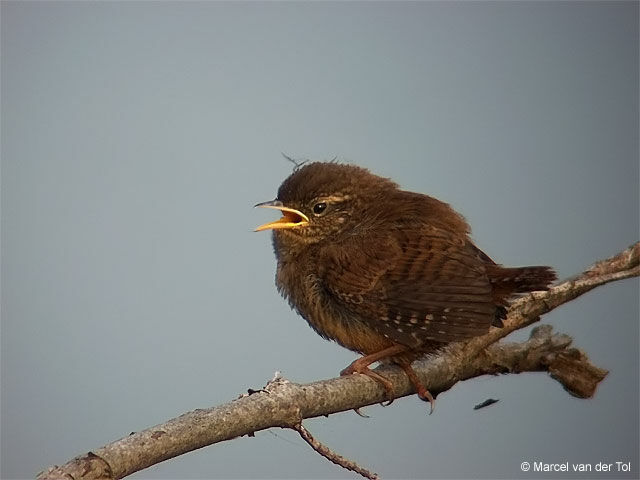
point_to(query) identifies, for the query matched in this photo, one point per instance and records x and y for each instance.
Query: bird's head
(326, 199)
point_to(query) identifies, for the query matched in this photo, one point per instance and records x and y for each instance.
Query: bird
(390, 274)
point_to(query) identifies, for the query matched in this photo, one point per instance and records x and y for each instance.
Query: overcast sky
(137, 136)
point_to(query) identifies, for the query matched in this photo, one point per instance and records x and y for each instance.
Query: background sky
(136, 137)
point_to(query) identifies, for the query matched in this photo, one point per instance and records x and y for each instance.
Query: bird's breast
(305, 292)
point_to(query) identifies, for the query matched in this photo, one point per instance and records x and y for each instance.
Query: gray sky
(137, 136)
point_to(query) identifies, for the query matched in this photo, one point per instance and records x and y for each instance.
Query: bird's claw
(421, 390)
(365, 370)
(363, 415)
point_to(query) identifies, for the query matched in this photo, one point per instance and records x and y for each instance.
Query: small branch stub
(574, 371)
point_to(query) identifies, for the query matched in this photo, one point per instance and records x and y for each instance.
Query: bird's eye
(319, 208)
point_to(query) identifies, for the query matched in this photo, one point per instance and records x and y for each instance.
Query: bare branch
(284, 404)
(330, 455)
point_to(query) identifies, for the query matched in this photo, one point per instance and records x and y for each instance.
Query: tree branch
(331, 455)
(285, 404)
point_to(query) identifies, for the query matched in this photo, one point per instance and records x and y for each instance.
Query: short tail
(507, 281)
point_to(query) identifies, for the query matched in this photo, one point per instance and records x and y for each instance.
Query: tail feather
(507, 281)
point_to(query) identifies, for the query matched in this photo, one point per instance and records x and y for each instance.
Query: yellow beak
(290, 217)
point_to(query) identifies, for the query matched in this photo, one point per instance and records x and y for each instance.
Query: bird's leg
(361, 365)
(421, 390)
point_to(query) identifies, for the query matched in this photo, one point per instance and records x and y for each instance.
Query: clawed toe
(365, 370)
(425, 395)
(421, 390)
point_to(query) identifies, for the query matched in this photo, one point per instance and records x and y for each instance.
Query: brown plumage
(384, 272)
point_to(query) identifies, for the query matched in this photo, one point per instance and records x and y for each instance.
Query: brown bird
(387, 273)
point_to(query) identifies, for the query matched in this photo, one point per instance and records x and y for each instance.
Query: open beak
(290, 217)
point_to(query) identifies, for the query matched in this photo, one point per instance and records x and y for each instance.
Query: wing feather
(424, 285)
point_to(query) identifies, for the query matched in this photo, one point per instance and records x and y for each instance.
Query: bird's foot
(360, 366)
(421, 390)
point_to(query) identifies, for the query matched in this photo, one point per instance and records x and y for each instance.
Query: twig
(330, 455)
